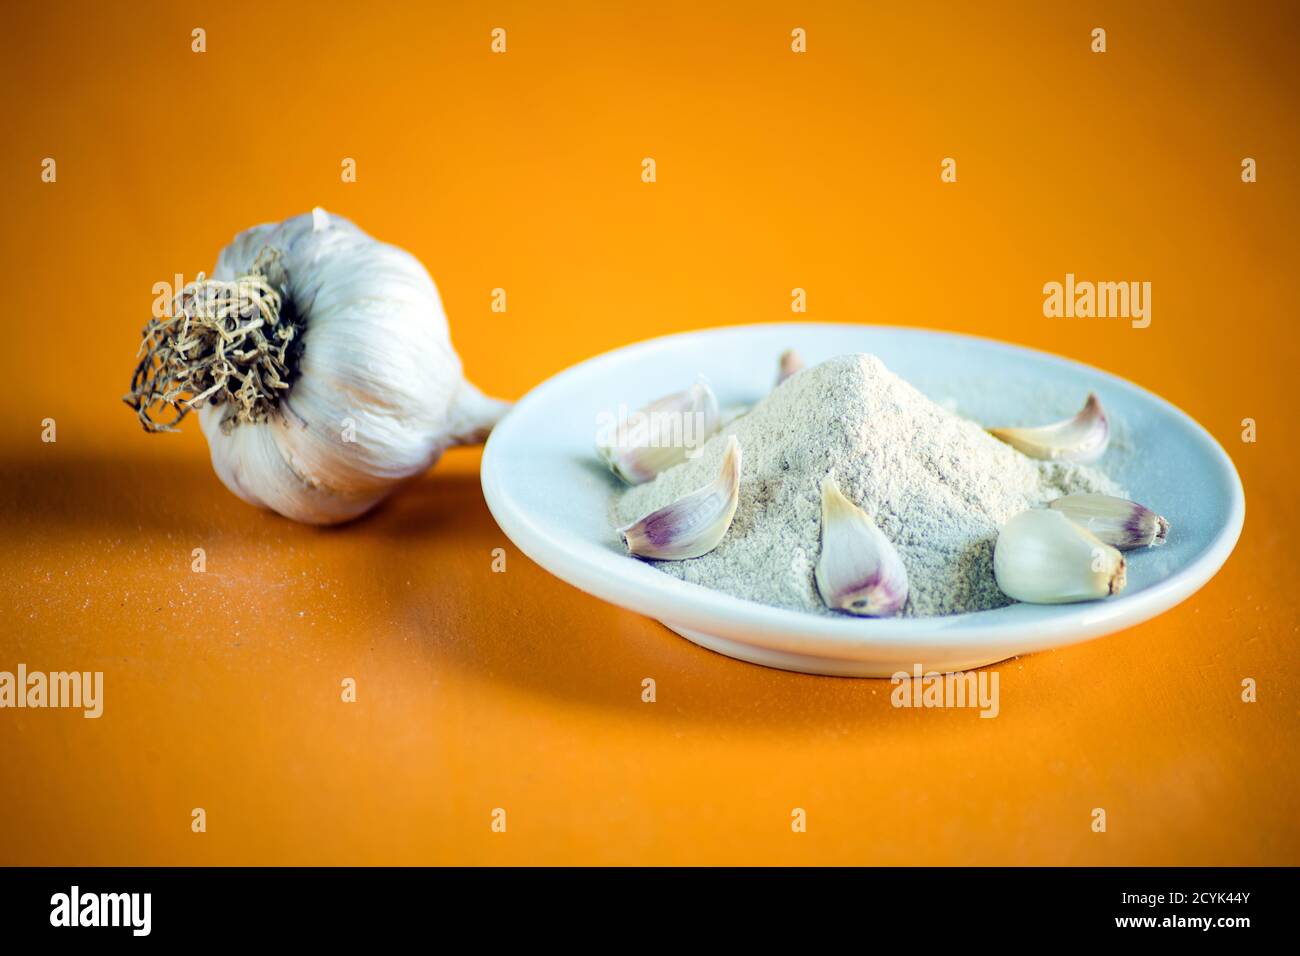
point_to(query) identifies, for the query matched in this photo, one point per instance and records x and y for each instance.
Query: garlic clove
(694, 524)
(859, 570)
(1082, 438)
(1042, 557)
(663, 434)
(1118, 522)
(789, 363)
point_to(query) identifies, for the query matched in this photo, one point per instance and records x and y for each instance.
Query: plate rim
(683, 603)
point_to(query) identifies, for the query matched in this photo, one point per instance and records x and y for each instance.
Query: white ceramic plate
(552, 498)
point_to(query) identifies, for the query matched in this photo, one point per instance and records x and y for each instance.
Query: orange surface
(479, 690)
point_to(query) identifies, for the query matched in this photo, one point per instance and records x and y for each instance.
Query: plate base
(826, 666)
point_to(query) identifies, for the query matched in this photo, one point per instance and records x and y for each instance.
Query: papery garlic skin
(1042, 557)
(663, 434)
(692, 525)
(1120, 523)
(379, 393)
(1081, 439)
(859, 570)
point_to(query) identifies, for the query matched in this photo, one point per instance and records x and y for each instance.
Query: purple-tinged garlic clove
(1120, 523)
(663, 434)
(859, 570)
(694, 524)
(1082, 438)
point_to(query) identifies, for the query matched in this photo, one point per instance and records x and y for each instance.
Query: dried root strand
(232, 343)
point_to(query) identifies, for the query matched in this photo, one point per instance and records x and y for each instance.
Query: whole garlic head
(378, 393)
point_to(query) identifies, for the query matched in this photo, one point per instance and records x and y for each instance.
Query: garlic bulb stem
(473, 415)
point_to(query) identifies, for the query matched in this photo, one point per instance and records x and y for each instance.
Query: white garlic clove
(1082, 438)
(859, 570)
(1042, 557)
(663, 434)
(694, 524)
(1118, 522)
(789, 363)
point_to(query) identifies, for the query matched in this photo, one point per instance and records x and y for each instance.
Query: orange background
(522, 171)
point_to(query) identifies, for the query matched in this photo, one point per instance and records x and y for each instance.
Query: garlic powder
(937, 485)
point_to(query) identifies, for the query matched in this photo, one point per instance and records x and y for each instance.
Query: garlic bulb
(321, 365)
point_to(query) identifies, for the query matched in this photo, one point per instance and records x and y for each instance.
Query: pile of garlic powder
(937, 485)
